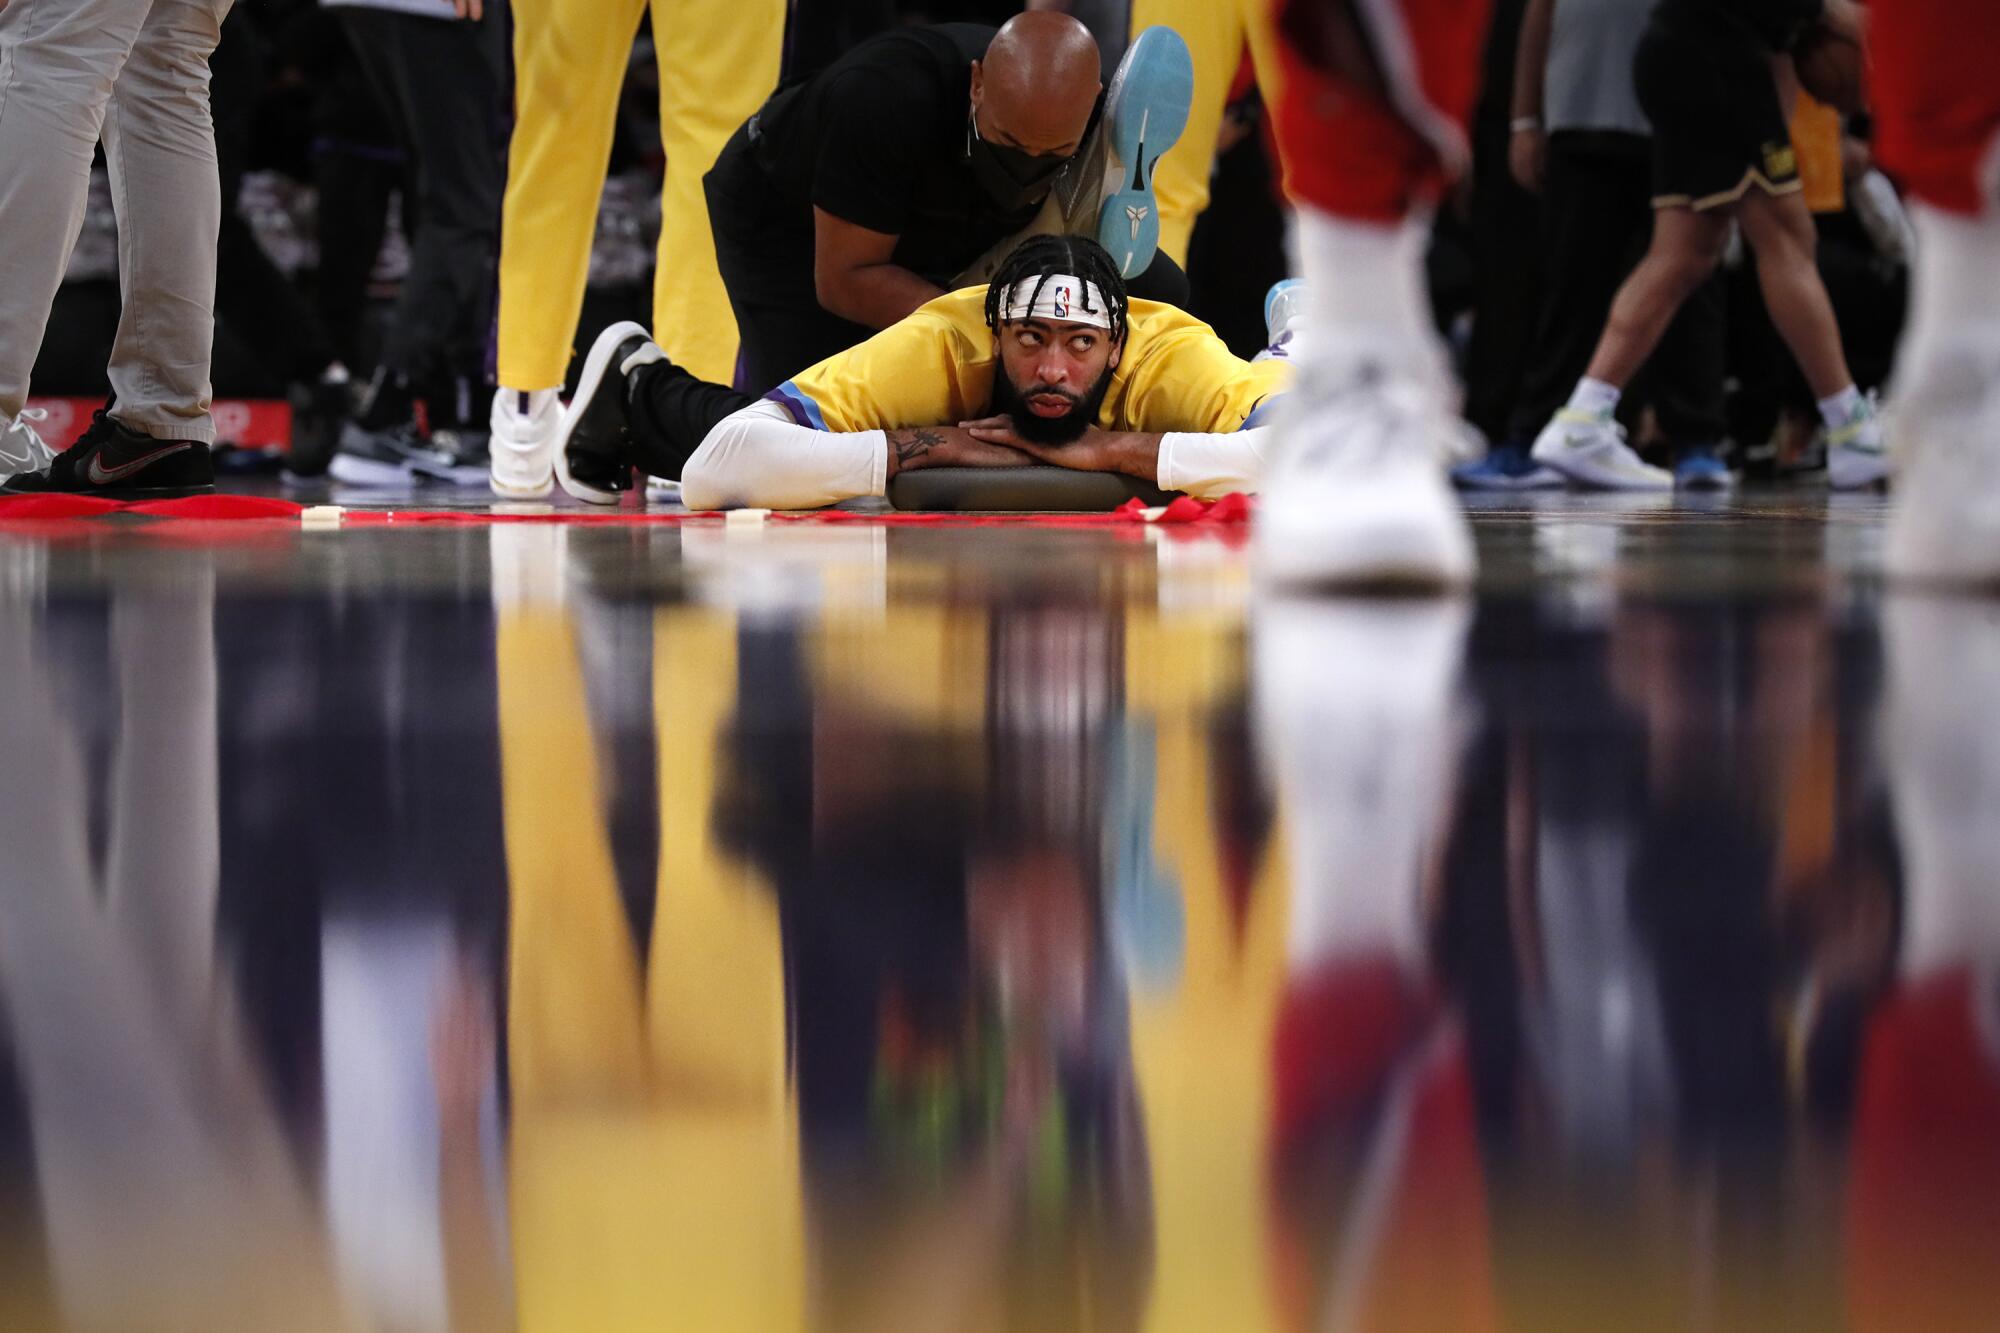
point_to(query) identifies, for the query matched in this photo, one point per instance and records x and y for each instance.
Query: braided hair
(1040, 258)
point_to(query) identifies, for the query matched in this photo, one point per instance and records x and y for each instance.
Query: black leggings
(673, 412)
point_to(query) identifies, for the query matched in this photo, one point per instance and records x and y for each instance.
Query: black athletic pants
(673, 412)
(441, 83)
(1597, 221)
(1507, 284)
(253, 299)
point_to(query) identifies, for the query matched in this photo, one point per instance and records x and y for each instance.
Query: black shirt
(878, 138)
(1775, 25)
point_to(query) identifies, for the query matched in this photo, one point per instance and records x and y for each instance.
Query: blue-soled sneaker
(1699, 467)
(1144, 114)
(1506, 467)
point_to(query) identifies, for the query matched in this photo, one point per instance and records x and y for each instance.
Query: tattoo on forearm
(912, 444)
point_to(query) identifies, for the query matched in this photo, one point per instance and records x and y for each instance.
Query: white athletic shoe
(1284, 320)
(1944, 525)
(22, 449)
(522, 448)
(1355, 490)
(1591, 451)
(1855, 456)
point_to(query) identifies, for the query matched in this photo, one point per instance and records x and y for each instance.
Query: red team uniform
(1937, 102)
(1376, 97)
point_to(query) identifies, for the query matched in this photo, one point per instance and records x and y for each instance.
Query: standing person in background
(136, 73)
(1581, 142)
(718, 60)
(1722, 156)
(1372, 124)
(1503, 224)
(253, 298)
(440, 81)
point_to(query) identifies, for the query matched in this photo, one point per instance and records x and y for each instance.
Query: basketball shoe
(522, 445)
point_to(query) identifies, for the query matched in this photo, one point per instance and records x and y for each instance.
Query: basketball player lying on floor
(1086, 379)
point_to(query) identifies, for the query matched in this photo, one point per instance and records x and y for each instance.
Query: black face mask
(1013, 178)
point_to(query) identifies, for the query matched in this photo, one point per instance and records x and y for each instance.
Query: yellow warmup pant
(718, 62)
(654, 1146)
(1215, 31)
(1201, 1051)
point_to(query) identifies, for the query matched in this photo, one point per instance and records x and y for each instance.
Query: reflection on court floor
(562, 929)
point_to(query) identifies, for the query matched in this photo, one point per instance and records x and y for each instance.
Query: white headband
(1059, 300)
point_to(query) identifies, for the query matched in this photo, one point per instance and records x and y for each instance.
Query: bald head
(1038, 82)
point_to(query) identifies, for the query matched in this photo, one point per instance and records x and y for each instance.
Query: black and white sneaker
(455, 456)
(112, 460)
(383, 457)
(594, 442)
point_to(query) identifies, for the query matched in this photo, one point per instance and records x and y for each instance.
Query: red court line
(1230, 510)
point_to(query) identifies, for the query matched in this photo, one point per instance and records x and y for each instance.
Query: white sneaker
(1591, 451)
(1855, 456)
(1355, 491)
(22, 449)
(1284, 320)
(1944, 526)
(523, 444)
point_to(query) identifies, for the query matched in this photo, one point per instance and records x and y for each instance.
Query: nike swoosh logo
(101, 475)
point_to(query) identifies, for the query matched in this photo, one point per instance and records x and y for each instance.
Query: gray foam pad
(1037, 488)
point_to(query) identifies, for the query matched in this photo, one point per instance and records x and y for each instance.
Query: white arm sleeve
(1210, 466)
(759, 458)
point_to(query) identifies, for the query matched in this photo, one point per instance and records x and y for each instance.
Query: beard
(1065, 429)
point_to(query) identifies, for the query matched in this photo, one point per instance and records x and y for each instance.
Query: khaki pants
(136, 73)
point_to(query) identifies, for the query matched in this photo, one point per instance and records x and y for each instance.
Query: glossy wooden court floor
(707, 926)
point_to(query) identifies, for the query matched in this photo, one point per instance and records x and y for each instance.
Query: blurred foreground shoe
(1944, 524)
(1355, 490)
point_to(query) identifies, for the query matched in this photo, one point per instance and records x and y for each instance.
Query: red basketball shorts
(1377, 93)
(1936, 79)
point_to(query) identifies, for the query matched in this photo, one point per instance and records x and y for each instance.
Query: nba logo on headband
(1062, 296)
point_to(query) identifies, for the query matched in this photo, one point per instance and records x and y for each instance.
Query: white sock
(1597, 397)
(1839, 409)
(1367, 283)
(1956, 277)
(1954, 297)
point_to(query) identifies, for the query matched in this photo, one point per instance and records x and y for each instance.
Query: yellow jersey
(935, 368)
